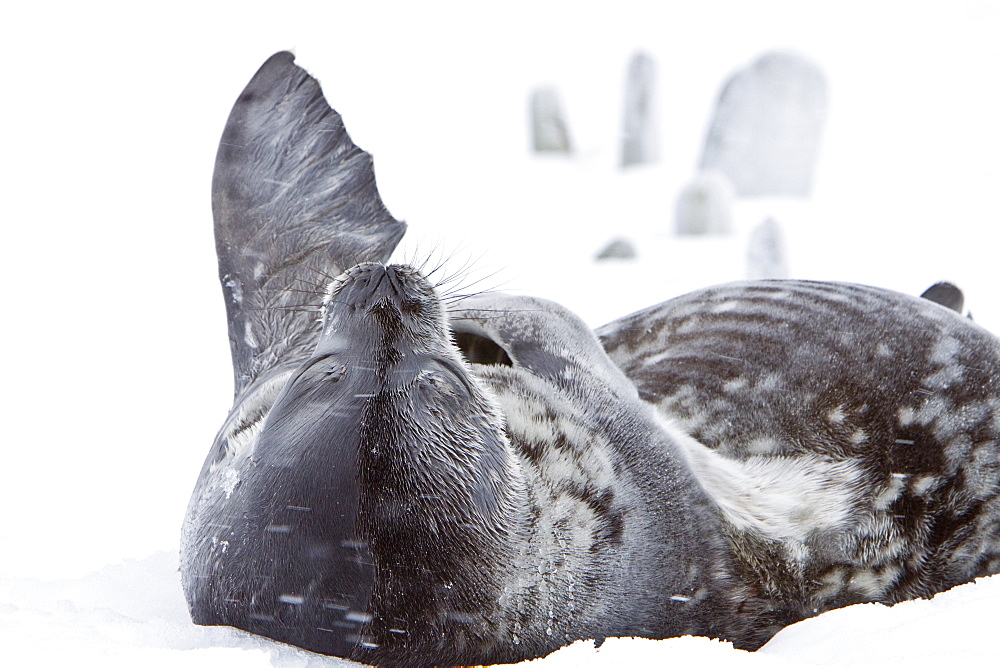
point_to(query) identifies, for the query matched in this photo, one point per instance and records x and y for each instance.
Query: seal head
(379, 491)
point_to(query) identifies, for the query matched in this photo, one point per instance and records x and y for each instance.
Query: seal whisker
(319, 286)
(455, 297)
(411, 254)
(442, 261)
(458, 276)
(419, 260)
(280, 291)
(320, 272)
(476, 282)
(288, 307)
(467, 265)
(293, 309)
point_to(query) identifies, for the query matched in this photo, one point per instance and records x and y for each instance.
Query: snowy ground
(115, 340)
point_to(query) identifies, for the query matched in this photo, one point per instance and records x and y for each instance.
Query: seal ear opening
(478, 349)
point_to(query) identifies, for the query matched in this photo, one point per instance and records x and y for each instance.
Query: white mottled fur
(525, 418)
(782, 498)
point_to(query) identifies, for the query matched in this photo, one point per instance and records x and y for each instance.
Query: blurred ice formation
(640, 142)
(705, 206)
(617, 249)
(766, 131)
(766, 252)
(548, 123)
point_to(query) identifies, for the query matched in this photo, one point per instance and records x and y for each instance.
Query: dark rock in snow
(766, 132)
(619, 249)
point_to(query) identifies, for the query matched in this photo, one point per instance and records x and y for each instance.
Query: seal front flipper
(280, 556)
(295, 203)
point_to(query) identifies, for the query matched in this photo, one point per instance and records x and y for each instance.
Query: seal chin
(425, 420)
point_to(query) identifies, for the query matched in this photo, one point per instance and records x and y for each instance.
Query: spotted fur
(893, 399)
(405, 484)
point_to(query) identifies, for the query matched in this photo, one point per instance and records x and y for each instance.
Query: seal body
(410, 480)
(892, 400)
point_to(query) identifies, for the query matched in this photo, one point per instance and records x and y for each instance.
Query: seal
(416, 480)
(880, 407)
(946, 294)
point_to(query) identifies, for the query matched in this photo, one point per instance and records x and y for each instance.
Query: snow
(117, 363)
(133, 613)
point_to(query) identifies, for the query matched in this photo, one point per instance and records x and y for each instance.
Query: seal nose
(386, 289)
(371, 286)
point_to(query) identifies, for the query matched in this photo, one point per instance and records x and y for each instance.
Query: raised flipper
(295, 203)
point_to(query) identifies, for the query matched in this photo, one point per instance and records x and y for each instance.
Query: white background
(115, 354)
